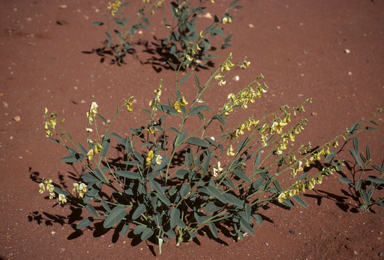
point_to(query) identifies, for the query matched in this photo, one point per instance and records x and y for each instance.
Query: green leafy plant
(183, 30)
(170, 183)
(125, 26)
(364, 188)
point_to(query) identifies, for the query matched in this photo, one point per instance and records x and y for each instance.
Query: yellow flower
(89, 130)
(307, 163)
(310, 185)
(158, 159)
(177, 106)
(42, 188)
(98, 148)
(336, 144)
(291, 137)
(230, 151)
(90, 119)
(274, 127)
(62, 199)
(245, 64)
(80, 188)
(217, 170)
(129, 105)
(319, 180)
(52, 122)
(90, 154)
(188, 57)
(151, 130)
(183, 102)
(222, 82)
(93, 109)
(225, 20)
(149, 158)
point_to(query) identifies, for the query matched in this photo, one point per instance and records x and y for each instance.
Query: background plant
(363, 187)
(182, 29)
(126, 25)
(169, 183)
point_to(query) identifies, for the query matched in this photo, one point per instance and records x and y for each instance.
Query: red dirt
(299, 46)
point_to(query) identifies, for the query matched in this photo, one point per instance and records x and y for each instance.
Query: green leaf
(60, 191)
(259, 220)
(246, 227)
(184, 78)
(258, 157)
(356, 145)
(365, 197)
(139, 229)
(175, 216)
(345, 180)
(82, 149)
(173, 67)
(114, 217)
(102, 118)
(145, 19)
(105, 144)
(92, 210)
(239, 7)
(105, 205)
(242, 175)
(353, 128)
(242, 144)
(218, 31)
(211, 141)
(73, 158)
(221, 119)
(163, 198)
(97, 23)
(373, 122)
(213, 229)
(147, 233)
(381, 203)
(231, 199)
(358, 184)
(257, 183)
(357, 158)
(302, 177)
(212, 207)
(129, 175)
(378, 168)
(330, 156)
(197, 80)
(368, 153)
(232, 4)
(56, 141)
(277, 185)
(199, 142)
(300, 201)
(175, 130)
(181, 173)
(184, 190)
(124, 230)
(140, 210)
(216, 193)
(84, 223)
(375, 180)
(196, 110)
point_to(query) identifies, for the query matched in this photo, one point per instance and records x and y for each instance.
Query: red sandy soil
(48, 60)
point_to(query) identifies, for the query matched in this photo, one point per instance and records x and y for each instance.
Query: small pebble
(314, 113)
(16, 118)
(237, 78)
(380, 254)
(278, 27)
(349, 73)
(347, 51)
(292, 231)
(63, 6)
(251, 25)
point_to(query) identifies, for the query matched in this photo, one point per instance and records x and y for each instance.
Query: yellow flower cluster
(80, 188)
(247, 125)
(153, 103)
(230, 151)
(114, 7)
(217, 170)
(47, 185)
(227, 66)
(243, 98)
(299, 187)
(95, 150)
(150, 157)
(180, 104)
(226, 19)
(128, 104)
(50, 123)
(151, 130)
(245, 64)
